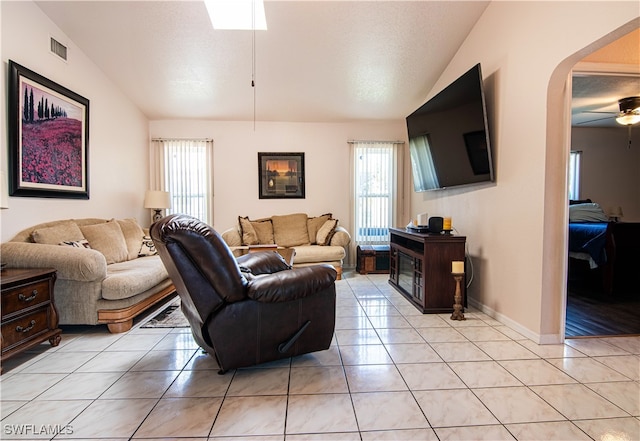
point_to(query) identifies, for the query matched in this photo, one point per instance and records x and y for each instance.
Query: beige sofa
(315, 239)
(107, 272)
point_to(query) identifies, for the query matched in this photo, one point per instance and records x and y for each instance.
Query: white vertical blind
(574, 174)
(374, 183)
(184, 168)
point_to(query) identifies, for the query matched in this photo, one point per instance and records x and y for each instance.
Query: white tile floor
(390, 374)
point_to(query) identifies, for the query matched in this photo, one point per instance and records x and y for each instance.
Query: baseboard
(542, 339)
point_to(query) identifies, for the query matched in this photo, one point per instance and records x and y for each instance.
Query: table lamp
(615, 213)
(157, 200)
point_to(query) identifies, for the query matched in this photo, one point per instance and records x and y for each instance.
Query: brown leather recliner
(247, 311)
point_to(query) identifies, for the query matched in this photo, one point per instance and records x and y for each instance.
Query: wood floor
(591, 313)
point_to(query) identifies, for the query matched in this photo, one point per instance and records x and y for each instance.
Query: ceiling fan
(629, 111)
(628, 115)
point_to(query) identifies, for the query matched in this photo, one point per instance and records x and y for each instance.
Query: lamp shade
(156, 199)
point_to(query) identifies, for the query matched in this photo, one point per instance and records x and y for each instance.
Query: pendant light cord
(253, 60)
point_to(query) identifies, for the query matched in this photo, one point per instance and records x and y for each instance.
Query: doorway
(595, 306)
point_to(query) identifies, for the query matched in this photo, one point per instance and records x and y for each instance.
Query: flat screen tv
(449, 137)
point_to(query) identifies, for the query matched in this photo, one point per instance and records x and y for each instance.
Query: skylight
(237, 14)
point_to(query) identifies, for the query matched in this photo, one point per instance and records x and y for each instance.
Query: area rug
(169, 317)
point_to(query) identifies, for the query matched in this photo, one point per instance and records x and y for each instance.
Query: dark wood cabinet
(29, 315)
(420, 268)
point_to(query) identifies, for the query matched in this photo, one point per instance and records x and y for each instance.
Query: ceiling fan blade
(595, 120)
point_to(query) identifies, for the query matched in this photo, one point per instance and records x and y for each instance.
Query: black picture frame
(281, 175)
(48, 137)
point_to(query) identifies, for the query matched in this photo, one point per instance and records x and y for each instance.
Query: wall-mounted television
(449, 137)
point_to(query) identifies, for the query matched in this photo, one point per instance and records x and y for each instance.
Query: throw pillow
(314, 224)
(326, 232)
(132, 233)
(108, 239)
(148, 248)
(290, 230)
(76, 243)
(264, 231)
(64, 232)
(247, 232)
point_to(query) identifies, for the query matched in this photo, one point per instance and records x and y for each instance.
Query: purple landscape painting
(52, 150)
(48, 137)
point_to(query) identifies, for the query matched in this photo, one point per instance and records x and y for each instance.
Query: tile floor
(390, 374)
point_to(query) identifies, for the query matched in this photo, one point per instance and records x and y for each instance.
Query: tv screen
(449, 137)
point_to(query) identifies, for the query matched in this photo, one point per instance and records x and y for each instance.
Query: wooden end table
(29, 315)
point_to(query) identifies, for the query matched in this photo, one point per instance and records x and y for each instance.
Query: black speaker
(435, 224)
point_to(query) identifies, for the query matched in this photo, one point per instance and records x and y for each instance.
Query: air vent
(58, 49)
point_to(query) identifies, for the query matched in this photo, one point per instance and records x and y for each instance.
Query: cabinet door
(440, 286)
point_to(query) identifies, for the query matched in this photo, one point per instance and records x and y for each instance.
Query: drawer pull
(19, 328)
(32, 297)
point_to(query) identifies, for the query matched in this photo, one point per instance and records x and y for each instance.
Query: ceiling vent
(58, 49)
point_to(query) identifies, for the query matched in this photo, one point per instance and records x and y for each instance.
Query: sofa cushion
(248, 233)
(314, 224)
(264, 231)
(132, 277)
(325, 233)
(255, 232)
(317, 253)
(108, 239)
(63, 232)
(132, 233)
(290, 230)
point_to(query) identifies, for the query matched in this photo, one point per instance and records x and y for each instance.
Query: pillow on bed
(587, 213)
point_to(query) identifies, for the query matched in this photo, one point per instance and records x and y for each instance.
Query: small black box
(435, 224)
(372, 259)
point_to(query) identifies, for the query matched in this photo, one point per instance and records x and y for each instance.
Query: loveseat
(107, 270)
(318, 239)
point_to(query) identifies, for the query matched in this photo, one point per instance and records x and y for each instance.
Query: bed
(611, 248)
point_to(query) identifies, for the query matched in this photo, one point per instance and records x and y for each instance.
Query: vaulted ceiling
(318, 60)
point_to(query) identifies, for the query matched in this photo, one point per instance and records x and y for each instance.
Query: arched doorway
(596, 305)
(555, 248)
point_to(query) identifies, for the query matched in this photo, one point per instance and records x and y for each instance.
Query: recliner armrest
(265, 262)
(285, 286)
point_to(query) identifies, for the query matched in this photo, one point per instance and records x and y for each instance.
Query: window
(375, 188)
(574, 174)
(184, 169)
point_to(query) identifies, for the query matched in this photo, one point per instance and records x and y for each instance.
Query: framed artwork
(281, 175)
(48, 137)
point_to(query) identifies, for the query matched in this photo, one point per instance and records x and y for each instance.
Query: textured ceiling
(318, 60)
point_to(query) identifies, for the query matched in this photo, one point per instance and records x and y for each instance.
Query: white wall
(515, 228)
(610, 168)
(118, 131)
(236, 146)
